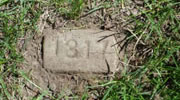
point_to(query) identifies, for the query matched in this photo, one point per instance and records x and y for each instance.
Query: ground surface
(49, 74)
(57, 74)
(150, 68)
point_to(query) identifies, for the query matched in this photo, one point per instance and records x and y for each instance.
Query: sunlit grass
(15, 21)
(157, 26)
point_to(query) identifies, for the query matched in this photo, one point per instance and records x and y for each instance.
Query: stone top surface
(85, 50)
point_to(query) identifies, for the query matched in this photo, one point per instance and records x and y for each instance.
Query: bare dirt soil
(68, 83)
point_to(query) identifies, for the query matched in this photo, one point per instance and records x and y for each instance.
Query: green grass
(15, 21)
(70, 9)
(157, 26)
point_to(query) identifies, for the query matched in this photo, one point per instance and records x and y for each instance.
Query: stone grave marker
(85, 50)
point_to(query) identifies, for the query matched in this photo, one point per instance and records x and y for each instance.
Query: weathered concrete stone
(79, 51)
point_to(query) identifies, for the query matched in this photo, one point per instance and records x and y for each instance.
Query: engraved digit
(72, 45)
(88, 48)
(105, 47)
(57, 46)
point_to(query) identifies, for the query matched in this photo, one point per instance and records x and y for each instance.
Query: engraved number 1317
(73, 51)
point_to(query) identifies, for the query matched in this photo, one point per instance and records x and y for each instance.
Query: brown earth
(69, 83)
(53, 81)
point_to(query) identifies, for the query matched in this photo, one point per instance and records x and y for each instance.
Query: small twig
(104, 37)
(42, 23)
(91, 11)
(138, 41)
(127, 64)
(134, 49)
(134, 35)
